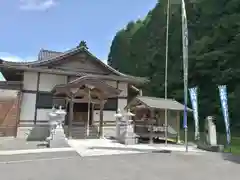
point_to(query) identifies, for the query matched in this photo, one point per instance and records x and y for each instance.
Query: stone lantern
(52, 120)
(118, 117)
(129, 117)
(61, 117)
(130, 137)
(56, 119)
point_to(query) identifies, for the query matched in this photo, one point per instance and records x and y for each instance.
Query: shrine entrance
(82, 95)
(80, 114)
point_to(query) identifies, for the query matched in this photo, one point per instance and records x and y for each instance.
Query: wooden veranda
(86, 89)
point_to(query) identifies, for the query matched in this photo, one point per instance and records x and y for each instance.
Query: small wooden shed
(149, 117)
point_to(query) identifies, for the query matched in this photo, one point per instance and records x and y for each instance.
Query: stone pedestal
(118, 117)
(130, 137)
(57, 135)
(59, 139)
(211, 135)
(127, 135)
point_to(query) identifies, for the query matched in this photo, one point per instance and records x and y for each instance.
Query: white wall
(107, 115)
(30, 81)
(28, 106)
(122, 103)
(42, 114)
(48, 81)
(124, 88)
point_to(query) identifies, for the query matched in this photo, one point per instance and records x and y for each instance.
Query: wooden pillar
(101, 118)
(71, 104)
(67, 110)
(151, 126)
(89, 107)
(19, 103)
(178, 126)
(134, 120)
(92, 119)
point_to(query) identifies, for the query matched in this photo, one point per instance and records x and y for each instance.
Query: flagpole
(166, 73)
(185, 69)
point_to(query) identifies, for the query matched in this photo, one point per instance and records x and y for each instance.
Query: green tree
(214, 39)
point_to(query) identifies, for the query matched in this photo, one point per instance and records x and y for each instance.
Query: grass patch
(234, 147)
(221, 139)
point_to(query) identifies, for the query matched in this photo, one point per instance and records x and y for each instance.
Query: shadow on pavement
(131, 149)
(231, 157)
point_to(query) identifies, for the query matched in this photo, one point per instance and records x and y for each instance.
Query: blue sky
(28, 25)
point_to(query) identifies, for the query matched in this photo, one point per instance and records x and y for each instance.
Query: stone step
(79, 132)
(84, 132)
(83, 135)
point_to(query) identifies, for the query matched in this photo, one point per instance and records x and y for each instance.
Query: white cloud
(13, 58)
(36, 4)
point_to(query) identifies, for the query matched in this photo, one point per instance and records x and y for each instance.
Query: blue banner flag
(224, 103)
(194, 101)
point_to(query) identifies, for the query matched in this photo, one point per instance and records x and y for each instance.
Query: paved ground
(97, 147)
(68, 165)
(35, 157)
(7, 144)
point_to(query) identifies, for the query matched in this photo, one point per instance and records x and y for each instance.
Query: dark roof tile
(161, 103)
(46, 54)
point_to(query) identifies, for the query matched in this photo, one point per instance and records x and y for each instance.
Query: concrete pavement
(100, 147)
(154, 166)
(11, 143)
(87, 147)
(34, 157)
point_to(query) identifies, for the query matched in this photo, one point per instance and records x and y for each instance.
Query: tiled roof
(160, 103)
(90, 80)
(46, 54)
(74, 73)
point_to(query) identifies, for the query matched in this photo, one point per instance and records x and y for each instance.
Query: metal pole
(166, 73)
(88, 120)
(186, 138)
(185, 68)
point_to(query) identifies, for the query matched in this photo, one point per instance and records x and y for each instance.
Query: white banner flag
(224, 103)
(184, 37)
(194, 101)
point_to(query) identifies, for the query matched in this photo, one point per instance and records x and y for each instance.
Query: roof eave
(72, 73)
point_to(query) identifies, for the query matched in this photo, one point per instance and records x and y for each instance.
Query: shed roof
(157, 103)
